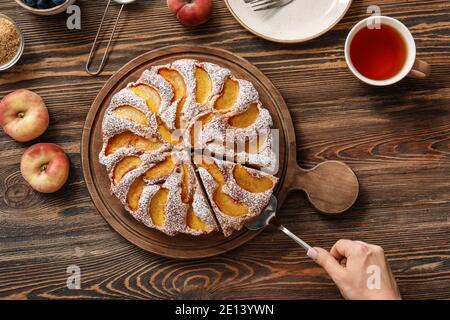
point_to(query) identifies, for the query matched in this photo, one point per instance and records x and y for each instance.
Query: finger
(362, 243)
(343, 248)
(336, 254)
(374, 248)
(323, 258)
(342, 259)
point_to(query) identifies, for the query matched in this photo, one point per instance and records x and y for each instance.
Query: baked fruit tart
(165, 138)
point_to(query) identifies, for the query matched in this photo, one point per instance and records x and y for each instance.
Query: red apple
(23, 115)
(191, 12)
(45, 166)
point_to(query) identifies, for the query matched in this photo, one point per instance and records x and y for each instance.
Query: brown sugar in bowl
(12, 42)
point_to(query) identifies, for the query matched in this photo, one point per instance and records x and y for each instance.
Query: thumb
(323, 258)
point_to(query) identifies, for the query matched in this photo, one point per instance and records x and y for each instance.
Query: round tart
(164, 140)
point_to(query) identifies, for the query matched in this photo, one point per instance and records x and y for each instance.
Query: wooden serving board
(316, 183)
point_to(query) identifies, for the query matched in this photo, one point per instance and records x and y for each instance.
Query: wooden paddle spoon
(331, 186)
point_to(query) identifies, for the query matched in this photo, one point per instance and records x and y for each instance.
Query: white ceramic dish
(299, 21)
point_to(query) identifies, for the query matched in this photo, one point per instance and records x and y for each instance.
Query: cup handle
(420, 70)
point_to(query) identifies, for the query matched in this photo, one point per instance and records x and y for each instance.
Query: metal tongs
(268, 217)
(91, 54)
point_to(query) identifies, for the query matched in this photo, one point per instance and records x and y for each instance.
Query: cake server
(268, 217)
(94, 45)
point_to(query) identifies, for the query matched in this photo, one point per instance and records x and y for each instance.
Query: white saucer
(299, 21)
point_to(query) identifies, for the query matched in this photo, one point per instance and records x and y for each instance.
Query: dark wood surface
(396, 139)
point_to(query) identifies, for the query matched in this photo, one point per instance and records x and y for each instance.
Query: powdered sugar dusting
(214, 135)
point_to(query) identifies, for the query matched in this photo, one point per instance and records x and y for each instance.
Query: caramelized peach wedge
(228, 97)
(194, 222)
(153, 100)
(185, 194)
(135, 192)
(228, 205)
(167, 136)
(209, 165)
(129, 139)
(157, 207)
(197, 127)
(245, 119)
(132, 114)
(160, 170)
(124, 166)
(179, 87)
(255, 145)
(203, 88)
(149, 94)
(250, 182)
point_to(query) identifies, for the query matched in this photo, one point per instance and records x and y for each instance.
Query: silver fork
(259, 5)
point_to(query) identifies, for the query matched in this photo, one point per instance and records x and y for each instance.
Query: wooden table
(397, 140)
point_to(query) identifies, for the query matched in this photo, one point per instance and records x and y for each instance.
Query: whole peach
(191, 12)
(23, 115)
(45, 166)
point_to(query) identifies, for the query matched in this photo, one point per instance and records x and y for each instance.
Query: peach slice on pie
(204, 85)
(160, 170)
(124, 166)
(229, 96)
(179, 87)
(157, 206)
(254, 146)
(129, 139)
(210, 166)
(245, 119)
(224, 202)
(149, 94)
(153, 100)
(166, 134)
(194, 222)
(185, 195)
(134, 193)
(228, 205)
(131, 113)
(201, 122)
(176, 80)
(249, 182)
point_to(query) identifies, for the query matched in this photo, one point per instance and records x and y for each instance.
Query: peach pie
(186, 148)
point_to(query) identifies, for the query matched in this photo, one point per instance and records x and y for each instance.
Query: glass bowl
(19, 53)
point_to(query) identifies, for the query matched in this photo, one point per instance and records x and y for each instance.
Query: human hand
(360, 270)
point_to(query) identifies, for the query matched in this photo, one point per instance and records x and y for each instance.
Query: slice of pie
(237, 194)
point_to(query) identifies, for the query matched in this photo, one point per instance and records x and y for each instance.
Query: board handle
(331, 186)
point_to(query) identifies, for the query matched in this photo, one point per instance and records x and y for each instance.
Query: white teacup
(412, 67)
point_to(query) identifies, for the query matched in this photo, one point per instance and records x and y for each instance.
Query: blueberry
(44, 4)
(58, 2)
(30, 3)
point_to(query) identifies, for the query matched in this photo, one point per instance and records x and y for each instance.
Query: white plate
(299, 21)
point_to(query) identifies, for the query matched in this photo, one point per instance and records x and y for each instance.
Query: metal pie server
(268, 217)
